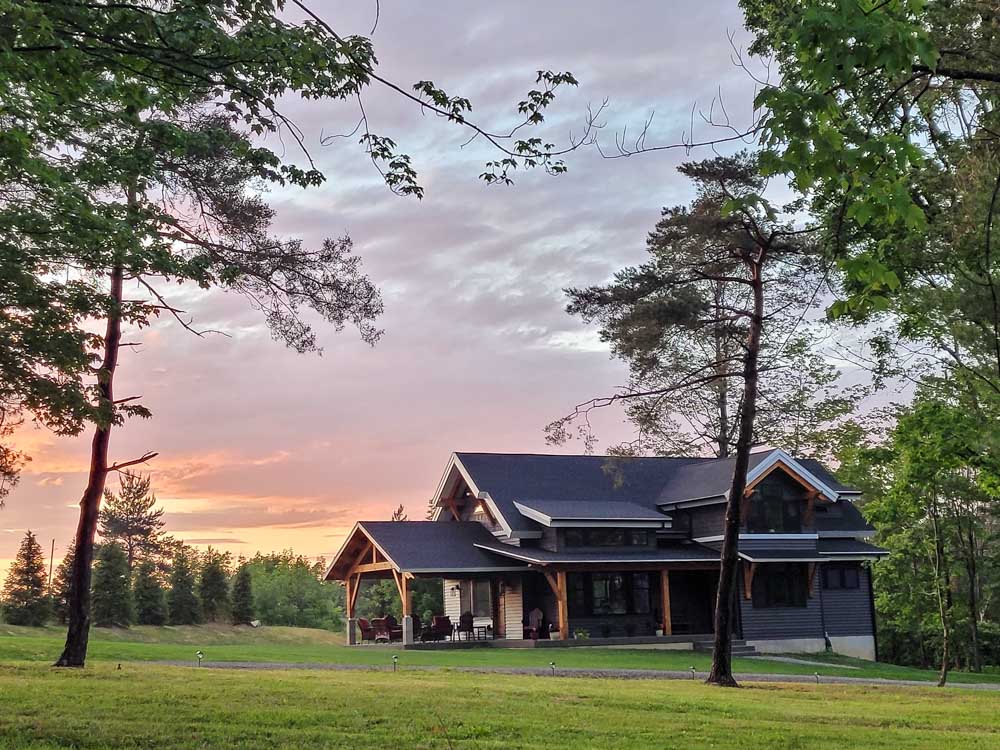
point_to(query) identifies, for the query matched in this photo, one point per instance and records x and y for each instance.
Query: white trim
(860, 555)
(585, 521)
(865, 533)
(450, 571)
(695, 502)
(343, 546)
(358, 525)
(759, 537)
(747, 556)
(456, 463)
(574, 561)
(779, 456)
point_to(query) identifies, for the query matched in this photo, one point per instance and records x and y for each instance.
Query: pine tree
(60, 588)
(111, 592)
(243, 609)
(150, 598)
(182, 604)
(131, 519)
(25, 601)
(213, 585)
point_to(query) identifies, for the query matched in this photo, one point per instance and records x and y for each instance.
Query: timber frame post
(557, 583)
(668, 628)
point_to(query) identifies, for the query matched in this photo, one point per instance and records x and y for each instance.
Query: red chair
(394, 628)
(367, 631)
(466, 624)
(440, 629)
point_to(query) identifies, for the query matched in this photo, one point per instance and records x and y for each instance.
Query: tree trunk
(972, 572)
(943, 590)
(75, 651)
(722, 384)
(722, 663)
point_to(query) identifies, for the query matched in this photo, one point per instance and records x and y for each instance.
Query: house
(628, 548)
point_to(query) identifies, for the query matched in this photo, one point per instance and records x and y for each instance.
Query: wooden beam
(349, 597)
(811, 577)
(403, 587)
(374, 567)
(787, 469)
(553, 582)
(355, 588)
(563, 605)
(748, 573)
(668, 627)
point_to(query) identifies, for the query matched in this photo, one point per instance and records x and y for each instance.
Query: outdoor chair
(536, 618)
(394, 628)
(441, 628)
(367, 631)
(466, 624)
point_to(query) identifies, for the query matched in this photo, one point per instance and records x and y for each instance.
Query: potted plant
(581, 634)
(554, 634)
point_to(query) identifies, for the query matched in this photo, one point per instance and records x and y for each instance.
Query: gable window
(780, 585)
(776, 507)
(840, 576)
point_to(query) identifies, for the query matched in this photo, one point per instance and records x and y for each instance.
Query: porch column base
(352, 632)
(407, 630)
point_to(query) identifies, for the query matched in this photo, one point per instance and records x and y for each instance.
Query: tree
(134, 160)
(213, 585)
(713, 270)
(60, 587)
(243, 603)
(150, 598)
(399, 514)
(132, 520)
(25, 601)
(182, 602)
(288, 590)
(112, 593)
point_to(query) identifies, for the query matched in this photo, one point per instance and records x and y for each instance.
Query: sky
(261, 448)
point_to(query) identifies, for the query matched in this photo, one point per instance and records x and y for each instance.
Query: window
(640, 594)
(482, 601)
(609, 595)
(605, 538)
(839, 576)
(577, 594)
(776, 507)
(780, 585)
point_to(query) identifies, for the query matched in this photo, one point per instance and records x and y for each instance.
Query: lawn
(145, 705)
(300, 645)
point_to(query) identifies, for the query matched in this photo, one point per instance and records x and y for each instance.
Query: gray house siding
(808, 544)
(780, 623)
(708, 520)
(848, 611)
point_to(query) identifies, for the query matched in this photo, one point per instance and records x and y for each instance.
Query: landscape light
(394, 660)
(817, 677)
(692, 673)
(200, 656)
(552, 666)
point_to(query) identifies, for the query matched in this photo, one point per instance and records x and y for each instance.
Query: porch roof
(579, 512)
(849, 548)
(674, 553)
(424, 547)
(782, 554)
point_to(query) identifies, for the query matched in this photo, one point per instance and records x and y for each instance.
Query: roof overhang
(581, 518)
(348, 543)
(455, 466)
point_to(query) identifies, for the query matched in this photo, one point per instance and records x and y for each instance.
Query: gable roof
(428, 547)
(622, 485)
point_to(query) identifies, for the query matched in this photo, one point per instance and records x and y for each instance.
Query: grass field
(148, 705)
(300, 645)
(145, 705)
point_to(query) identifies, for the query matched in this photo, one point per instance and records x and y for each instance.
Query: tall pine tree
(213, 585)
(150, 598)
(131, 519)
(243, 607)
(111, 594)
(182, 603)
(25, 601)
(60, 588)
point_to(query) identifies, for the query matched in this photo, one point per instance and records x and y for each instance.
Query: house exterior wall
(513, 607)
(848, 612)
(785, 623)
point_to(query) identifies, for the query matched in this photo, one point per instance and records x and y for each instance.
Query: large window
(608, 594)
(776, 507)
(606, 538)
(780, 585)
(841, 576)
(482, 604)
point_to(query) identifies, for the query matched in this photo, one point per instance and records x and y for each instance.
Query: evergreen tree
(150, 598)
(213, 585)
(182, 603)
(132, 520)
(243, 607)
(60, 587)
(111, 593)
(25, 601)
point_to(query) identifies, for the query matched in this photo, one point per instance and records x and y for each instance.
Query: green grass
(300, 645)
(146, 705)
